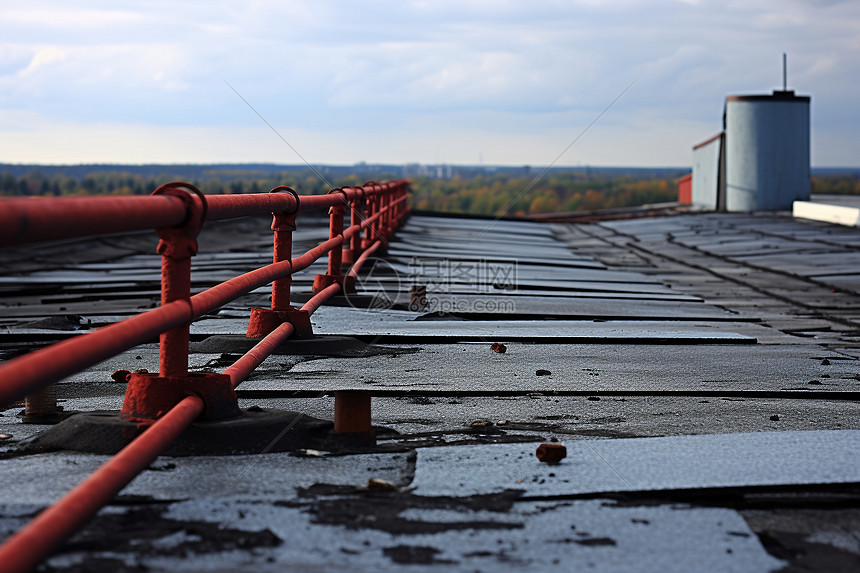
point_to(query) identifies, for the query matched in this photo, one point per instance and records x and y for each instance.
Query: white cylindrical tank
(767, 151)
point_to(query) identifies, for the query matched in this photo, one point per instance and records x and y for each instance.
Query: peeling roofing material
(701, 369)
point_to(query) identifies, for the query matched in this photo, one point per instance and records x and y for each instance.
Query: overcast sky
(461, 81)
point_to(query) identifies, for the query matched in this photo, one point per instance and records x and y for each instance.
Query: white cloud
(502, 72)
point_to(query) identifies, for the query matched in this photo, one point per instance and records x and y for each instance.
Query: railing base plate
(251, 433)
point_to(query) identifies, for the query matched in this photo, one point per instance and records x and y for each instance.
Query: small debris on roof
(308, 453)
(120, 376)
(542, 372)
(499, 347)
(375, 484)
(551, 453)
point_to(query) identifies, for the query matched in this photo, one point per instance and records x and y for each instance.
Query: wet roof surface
(712, 359)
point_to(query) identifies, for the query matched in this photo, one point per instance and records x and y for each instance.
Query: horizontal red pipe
(240, 369)
(322, 296)
(49, 218)
(29, 546)
(353, 229)
(356, 267)
(28, 373)
(32, 219)
(307, 259)
(232, 206)
(231, 289)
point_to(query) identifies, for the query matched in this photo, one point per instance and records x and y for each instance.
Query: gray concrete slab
(536, 536)
(39, 480)
(572, 367)
(644, 464)
(531, 330)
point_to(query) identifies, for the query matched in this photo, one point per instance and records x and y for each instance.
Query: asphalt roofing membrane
(701, 369)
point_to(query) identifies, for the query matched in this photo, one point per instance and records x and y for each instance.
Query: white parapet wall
(839, 214)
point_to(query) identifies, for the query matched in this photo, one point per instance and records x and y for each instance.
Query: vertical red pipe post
(370, 209)
(377, 225)
(334, 273)
(176, 247)
(356, 216)
(398, 206)
(283, 225)
(335, 228)
(263, 320)
(148, 397)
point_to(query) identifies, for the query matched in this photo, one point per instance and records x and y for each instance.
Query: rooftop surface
(701, 369)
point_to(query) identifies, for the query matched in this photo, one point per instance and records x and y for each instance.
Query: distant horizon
(383, 164)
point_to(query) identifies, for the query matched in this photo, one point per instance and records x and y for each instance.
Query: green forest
(511, 191)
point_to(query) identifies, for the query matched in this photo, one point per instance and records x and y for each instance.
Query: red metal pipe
(26, 374)
(229, 290)
(173, 343)
(335, 229)
(240, 369)
(34, 219)
(29, 546)
(322, 296)
(233, 206)
(353, 272)
(283, 225)
(46, 219)
(25, 549)
(29, 373)
(283, 249)
(307, 259)
(356, 218)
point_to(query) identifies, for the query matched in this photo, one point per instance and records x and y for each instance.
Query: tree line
(481, 193)
(484, 194)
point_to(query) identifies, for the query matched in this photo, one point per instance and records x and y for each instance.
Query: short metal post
(352, 412)
(41, 406)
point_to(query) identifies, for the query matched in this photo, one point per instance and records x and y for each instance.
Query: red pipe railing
(28, 373)
(39, 538)
(188, 395)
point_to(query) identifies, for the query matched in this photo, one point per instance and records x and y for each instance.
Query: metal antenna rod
(784, 72)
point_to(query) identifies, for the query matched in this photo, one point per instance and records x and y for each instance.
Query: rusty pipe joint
(180, 242)
(285, 220)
